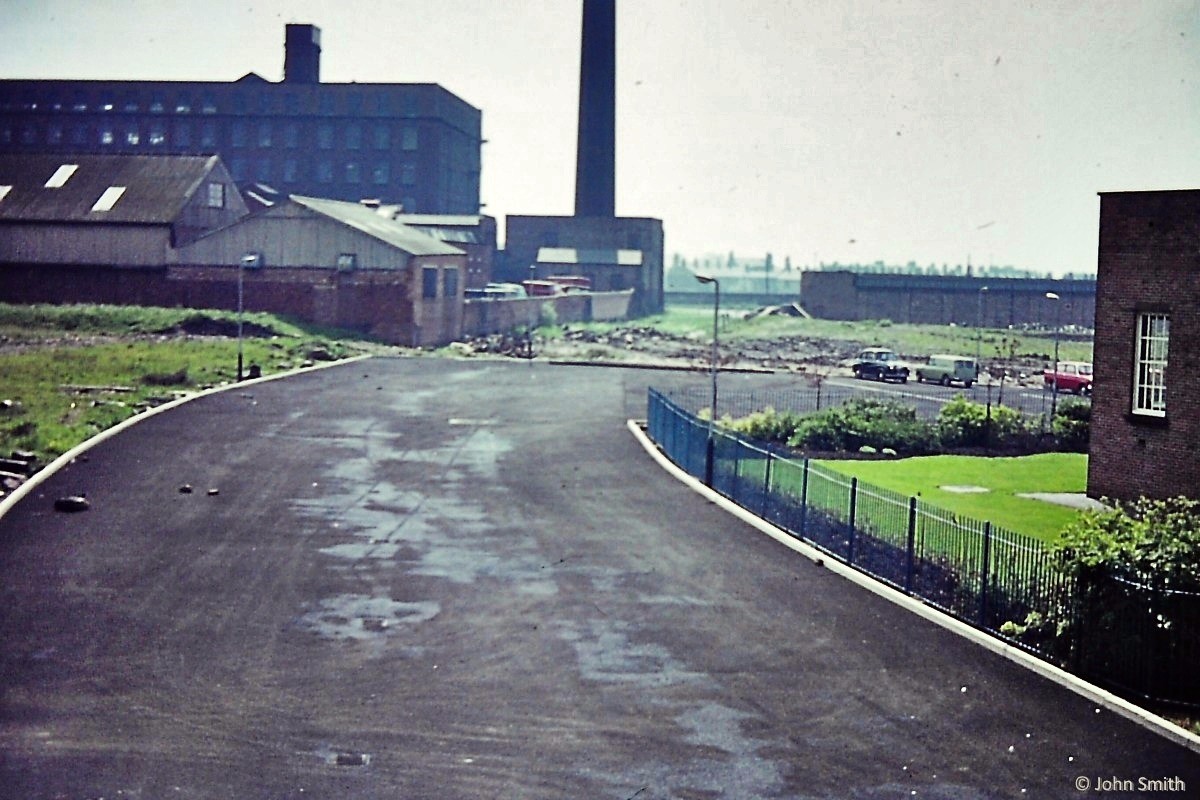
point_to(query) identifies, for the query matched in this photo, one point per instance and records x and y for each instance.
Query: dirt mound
(201, 325)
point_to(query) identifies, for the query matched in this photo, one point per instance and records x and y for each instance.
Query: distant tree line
(731, 263)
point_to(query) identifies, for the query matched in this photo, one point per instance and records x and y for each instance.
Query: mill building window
(325, 136)
(383, 137)
(1150, 365)
(429, 282)
(408, 138)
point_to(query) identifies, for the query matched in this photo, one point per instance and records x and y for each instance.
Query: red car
(1072, 376)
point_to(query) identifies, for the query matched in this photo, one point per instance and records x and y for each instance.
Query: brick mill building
(1145, 428)
(416, 145)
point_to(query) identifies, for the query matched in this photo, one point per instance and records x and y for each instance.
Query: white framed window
(1150, 364)
(216, 195)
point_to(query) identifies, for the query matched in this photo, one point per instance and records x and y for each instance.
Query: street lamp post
(979, 330)
(248, 260)
(710, 453)
(1054, 385)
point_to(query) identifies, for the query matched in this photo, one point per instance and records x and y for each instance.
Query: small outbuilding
(331, 262)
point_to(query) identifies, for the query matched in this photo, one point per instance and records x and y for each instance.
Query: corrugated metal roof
(380, 226)
(582, 255)
(449, 220)
(448, 234)
(156, 187)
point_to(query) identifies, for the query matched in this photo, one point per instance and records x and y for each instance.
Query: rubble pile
(15, 469)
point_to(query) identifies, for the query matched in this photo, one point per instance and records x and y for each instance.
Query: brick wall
(373, 302)
(1149, 260)
(941, 300)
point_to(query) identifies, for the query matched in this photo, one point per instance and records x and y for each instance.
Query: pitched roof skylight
(61, 176)
(109, 199)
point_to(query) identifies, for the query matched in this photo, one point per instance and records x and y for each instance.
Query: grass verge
(69, 372)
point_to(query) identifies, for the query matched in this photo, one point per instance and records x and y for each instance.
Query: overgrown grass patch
(56, 390)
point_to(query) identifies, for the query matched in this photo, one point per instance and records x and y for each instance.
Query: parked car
(1072, 376)
(879, 364)
(947, 369)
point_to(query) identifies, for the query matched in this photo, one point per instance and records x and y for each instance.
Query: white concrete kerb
(1101, 697)
(66, 458)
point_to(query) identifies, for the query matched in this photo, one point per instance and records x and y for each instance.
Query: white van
(947, 369)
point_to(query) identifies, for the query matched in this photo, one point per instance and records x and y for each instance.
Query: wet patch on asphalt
(360, 617)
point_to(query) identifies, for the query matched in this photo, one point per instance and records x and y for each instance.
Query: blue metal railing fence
(1140, 641)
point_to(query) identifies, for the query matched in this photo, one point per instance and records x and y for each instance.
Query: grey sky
(855, 130)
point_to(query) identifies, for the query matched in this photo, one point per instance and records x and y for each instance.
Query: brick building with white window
(1145, 429)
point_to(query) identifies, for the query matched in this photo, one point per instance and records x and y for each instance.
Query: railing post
(853, 514)
(984, 573)
(762, 509)
(910, 567)
(804, 501)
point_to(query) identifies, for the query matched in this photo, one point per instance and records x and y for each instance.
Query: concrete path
(433, 579)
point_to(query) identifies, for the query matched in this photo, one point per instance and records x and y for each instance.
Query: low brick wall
(483, 317)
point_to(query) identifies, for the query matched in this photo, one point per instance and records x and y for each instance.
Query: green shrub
(767, 425)
(1071, 425)
(863, 422)
(821, 431)
(965, 423)
(1150, 540)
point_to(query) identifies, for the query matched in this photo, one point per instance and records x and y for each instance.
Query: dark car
(879, 364)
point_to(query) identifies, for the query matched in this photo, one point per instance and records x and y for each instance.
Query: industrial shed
(100, 228)
(335, 263)
(474, 234)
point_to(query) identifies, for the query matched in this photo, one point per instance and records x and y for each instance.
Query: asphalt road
(435, 579)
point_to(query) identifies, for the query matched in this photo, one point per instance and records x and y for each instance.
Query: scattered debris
(72, 504)
(73, 388)
(320, 354)
(177, 378)
(352, 759)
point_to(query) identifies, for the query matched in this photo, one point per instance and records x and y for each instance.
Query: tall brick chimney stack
(302, 54)
(595, 165)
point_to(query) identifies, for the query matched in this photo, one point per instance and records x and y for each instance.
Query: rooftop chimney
(302, 54)
(595, 158)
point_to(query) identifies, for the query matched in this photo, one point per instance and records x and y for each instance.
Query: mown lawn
(926, 477)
